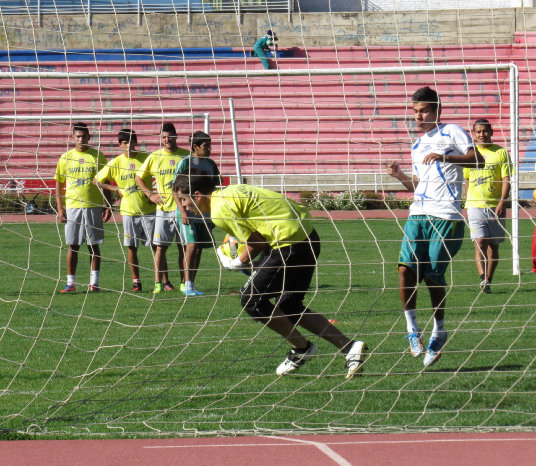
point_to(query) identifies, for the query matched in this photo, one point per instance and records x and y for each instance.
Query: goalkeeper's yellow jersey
(161, 165)
(485, 184)
(122, 170)
(240, 210)
(77, 170)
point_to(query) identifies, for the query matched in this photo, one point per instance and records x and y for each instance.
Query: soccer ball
(231, 247)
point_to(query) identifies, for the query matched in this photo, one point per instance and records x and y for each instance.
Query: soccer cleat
(94, 288)
(68, 289)
(168, 286)
(485, 286)
(296, 359)
(355, 358)
(182, 287)
(415, 344)
(157, 288)
(191, 291)
(433, 351)
(136, 287)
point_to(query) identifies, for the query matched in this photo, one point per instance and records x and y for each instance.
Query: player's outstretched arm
(472, 159)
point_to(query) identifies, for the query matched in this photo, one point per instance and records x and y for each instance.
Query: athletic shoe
(191, 291)
(433, 352)
(157, 288)
(182, 287)
(296, 359)
(415, 344)
(485, 286)
(136, 287)
(68, 289)
(355, 358)
(94, 288)
(168, 286)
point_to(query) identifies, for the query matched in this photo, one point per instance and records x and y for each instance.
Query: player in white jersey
(433, 233)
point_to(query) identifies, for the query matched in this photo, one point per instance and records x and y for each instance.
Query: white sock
(439, 328)
(71, 279)
(411, 321)
(94, 278)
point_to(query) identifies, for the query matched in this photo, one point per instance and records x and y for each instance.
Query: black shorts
(285, 275)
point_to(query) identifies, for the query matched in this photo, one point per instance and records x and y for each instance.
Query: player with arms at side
(195, 230)
(268, 221)
(161, 165)
(487, 191)
(137, 211)
(434, 231)
(83, 212)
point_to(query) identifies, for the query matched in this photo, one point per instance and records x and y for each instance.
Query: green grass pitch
(118, 363)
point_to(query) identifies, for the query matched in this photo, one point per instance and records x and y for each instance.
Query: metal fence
(38, 7)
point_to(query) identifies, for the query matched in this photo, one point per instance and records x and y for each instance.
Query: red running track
(308, 450)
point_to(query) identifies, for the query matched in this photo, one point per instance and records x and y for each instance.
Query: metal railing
(87, 7)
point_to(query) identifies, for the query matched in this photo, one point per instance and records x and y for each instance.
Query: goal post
(513, 86)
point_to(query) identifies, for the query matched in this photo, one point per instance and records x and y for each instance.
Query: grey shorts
(484, 224)
(165, 229)
(84, 225)
(138, 228)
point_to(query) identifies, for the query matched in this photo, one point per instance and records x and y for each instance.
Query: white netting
(123, 363)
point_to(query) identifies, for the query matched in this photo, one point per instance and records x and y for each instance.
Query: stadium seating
(289, 125)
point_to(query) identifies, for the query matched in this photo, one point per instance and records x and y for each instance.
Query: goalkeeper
(268, 221)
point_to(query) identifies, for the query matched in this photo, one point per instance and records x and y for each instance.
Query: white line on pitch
(324, 448)
(365, 442)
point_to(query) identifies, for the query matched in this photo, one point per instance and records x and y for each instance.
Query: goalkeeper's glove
(231, 264)
(237, 264)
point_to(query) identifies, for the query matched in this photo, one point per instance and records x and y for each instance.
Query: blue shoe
(191, 291)
(68, 289)
(415, 344)
(433, 352)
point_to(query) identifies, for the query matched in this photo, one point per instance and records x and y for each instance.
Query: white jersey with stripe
(440, 187)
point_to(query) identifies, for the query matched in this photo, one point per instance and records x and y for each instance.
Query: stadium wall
(432, 28)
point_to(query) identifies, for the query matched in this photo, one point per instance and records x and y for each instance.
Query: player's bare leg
(189, 267)
(95, 258)
(407, 284)
(281, 324)
(439, 335)
(181, 262)
(319, 325)
(72, 259)
(133, 261)
(481, 246)
(192, 257)
(493, 260)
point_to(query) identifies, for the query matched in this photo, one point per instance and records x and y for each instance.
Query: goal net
(320, 126)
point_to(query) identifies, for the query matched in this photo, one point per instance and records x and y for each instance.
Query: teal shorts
(199, 231)
(429, 245)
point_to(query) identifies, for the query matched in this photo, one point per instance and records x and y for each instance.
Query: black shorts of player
(284, 275)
